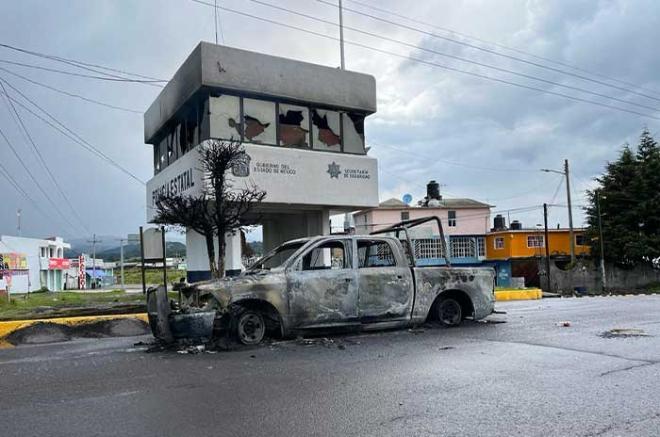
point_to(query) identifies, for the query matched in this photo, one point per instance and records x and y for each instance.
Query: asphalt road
(526, 377)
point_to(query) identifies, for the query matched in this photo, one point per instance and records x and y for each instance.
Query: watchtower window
(259, 121)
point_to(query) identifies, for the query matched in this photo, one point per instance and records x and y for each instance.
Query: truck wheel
(450, 312)
(249, 326)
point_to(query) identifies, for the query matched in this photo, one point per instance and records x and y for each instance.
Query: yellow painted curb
(511, 294)
(8, 327)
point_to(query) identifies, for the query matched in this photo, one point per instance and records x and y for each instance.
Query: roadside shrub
(42, 290)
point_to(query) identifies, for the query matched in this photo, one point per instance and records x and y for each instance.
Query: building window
(259, 122)
(498, 243)
(451, 219)
(326, 130)
(405, 215)
(43, 252)
(481, 247)
(535, 241)
(353, 133)
(225, 117)
(462, 247)
(428, 248)
(580, 240)
(294, 126)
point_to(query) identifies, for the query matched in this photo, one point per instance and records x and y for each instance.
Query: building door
(323, 286)
(385, 289)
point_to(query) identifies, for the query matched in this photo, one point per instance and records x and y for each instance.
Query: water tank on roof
(433, 190)
(499, 223)
(516, 225)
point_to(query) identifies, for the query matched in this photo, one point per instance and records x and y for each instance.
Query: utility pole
(215, 21)
(601, 242)
(341, 35)
(121, 261)
(569, 204)
(547, 246)
(94, 241)
(18, 220)
(570, 211)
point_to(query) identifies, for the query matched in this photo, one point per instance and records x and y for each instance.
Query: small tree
(219, 209)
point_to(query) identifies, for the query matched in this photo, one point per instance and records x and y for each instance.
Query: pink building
(465, 223)
(458, 216)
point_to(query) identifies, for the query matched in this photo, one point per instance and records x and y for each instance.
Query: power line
(66, 93)
(64, 130)
(492, 52)
(502, 46)
(86, 76)
(433, 64)
(458, 58)
(5, 173)
(456, 163)
(80, 64)
(36, 182)
(36, 150)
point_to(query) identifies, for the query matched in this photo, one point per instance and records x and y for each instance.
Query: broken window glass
(327, 256)
(163, 153)
(225, 117)
(326, 130)
(353, 125)
(375, 254)
(294, 126)
(259, 121)
(156, 158)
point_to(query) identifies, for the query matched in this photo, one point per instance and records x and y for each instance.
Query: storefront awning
(98, 273)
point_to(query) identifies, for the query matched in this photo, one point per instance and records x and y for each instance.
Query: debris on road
(624, 333)
(564, 324)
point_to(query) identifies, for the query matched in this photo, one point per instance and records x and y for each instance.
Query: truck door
(385, 286)
(323, 285)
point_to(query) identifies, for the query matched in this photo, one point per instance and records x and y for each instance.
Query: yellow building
(530, 243)
(516, 252)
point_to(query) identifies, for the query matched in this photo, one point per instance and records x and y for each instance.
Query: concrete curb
(513, 294)
(8, 327)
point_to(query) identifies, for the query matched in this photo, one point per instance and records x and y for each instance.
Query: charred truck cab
(363, 282)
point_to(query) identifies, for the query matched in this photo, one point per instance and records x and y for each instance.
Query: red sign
(81, 273)
(58, 264)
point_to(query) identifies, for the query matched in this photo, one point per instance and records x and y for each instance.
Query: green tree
(629, 193)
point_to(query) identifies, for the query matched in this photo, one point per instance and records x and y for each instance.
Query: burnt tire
(248, 326)
(449, 312)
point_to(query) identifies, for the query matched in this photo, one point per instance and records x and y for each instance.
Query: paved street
(527, 377)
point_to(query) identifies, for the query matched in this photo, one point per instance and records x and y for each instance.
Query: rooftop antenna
(341, 35)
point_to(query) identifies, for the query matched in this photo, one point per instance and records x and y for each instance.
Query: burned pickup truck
(364, 282)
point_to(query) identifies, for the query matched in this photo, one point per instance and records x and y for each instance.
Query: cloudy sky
(465, 127)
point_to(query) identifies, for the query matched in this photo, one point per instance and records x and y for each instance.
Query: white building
(302, 126)
(29, 264)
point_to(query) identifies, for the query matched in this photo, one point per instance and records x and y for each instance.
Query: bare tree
(220, 208)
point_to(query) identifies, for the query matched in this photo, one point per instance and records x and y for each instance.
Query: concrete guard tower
(302, 126)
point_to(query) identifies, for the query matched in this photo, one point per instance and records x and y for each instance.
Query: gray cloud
(440, 119)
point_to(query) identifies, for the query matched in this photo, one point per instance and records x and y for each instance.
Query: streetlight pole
(570, 206)
(601, 243)
(570, 211)
(341, 35)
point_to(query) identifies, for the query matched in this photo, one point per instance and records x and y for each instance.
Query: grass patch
(153, 276)
(39, 304)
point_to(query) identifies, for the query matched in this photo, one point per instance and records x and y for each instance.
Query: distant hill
(173, 248)
(257, 247)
